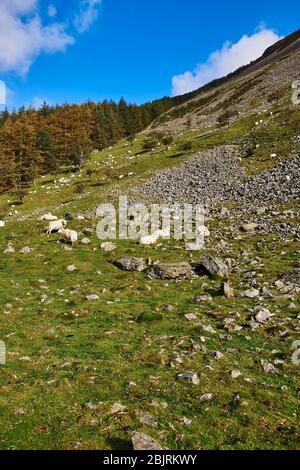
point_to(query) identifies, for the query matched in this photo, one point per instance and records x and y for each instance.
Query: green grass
(64, 352)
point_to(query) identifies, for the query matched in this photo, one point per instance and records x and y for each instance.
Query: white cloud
(23, 36)
(38, 102)
(88, 13)
(52, 11)
(2, 92)
(225, 60)
(19, 7)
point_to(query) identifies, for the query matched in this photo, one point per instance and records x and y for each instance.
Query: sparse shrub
(189, 122)
(186, 146)
(108, 173)
(79, 188)
(149, 143)
(90, 172)
(19, 194)
(131, 138)
(225, 117)
(167, 139)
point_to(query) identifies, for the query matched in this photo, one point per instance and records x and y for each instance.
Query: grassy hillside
(85, 374)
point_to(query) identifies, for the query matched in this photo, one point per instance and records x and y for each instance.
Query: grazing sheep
(149, 240)
(55, 225)
(49, 217)
(71, 235)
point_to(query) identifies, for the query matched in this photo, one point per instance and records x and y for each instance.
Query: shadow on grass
(181, 154)
(119, 444)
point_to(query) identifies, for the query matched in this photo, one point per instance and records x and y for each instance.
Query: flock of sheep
(59, 226)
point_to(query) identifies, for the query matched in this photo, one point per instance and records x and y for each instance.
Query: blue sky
(96, 49)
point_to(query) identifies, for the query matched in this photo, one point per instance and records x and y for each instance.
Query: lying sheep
(56, 225)
(149, 240)
(49, 217)
(71, 235)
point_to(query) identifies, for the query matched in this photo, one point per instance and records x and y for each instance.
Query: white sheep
(56, 225)
(149, 240)
(2, 223)
(71, 235)
(49, 217)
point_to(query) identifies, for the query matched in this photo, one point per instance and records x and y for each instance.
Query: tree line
(40, 141)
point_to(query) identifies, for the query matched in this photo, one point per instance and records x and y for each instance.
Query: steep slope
(252, 89)
(95, 353)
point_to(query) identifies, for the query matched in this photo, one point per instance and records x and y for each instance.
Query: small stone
(268, 367)
(296, 344)
(175, 357)
(214, 266)
(190, 377)
(19, 411)
(265, 293)
(235, 373)
(296, 357)
(263, 315)
(94, 423)
(202, 298)
(250, 293)
(142, 441)
(117, 408)
(190, 317)
(171, 271)
(290, 306)
(146, 418)
(217, 355)
(85, 241)
(249, 227)
(291, 277)
(87, 231)
(9, 249)
(25, 250)
(226, 290)
(71, 268)
(92, 297)
(93, 406)
(108, 246)
(130, 263)
(167, 307)
(186, 421)
(279, 285)
(207, 397)
(208, 329)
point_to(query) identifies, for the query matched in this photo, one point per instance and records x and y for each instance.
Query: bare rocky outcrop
(131, 263)
(171, 271)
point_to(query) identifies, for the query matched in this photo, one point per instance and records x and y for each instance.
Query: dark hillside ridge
(280, 49)
(291, 42)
